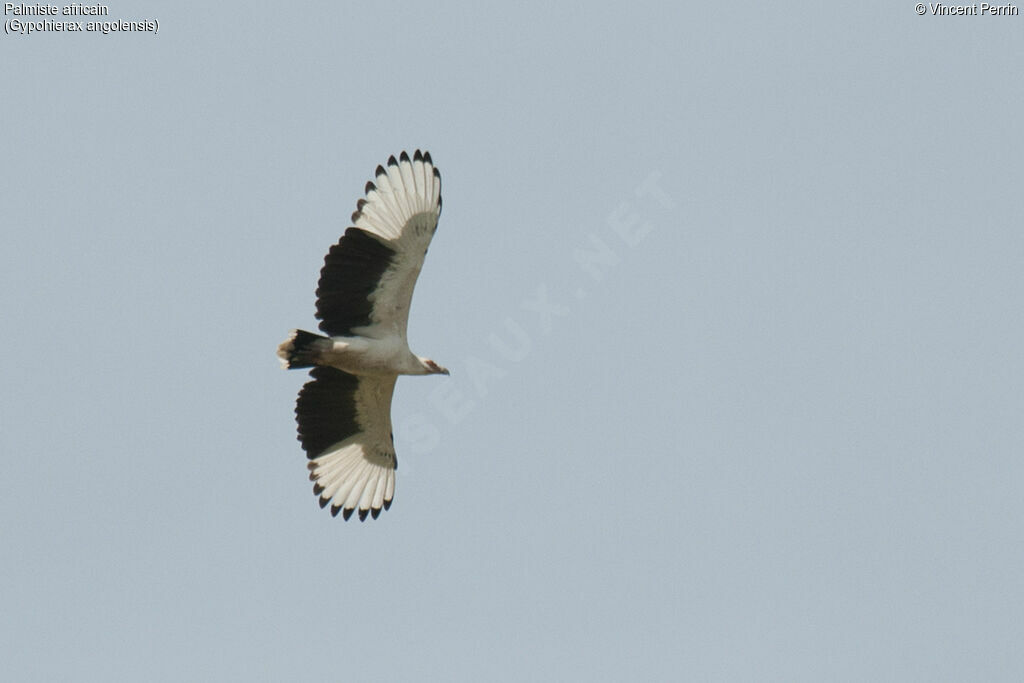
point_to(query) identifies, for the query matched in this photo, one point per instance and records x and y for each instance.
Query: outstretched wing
(368, 277)
(345, 429)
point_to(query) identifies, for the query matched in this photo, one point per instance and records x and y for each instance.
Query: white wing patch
(402, 207)
(401, 191)
(354, 477)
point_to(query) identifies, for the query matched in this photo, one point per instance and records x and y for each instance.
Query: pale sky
(730, 294)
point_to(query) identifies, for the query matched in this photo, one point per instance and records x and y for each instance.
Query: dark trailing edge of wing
(326, 410)
(352, 269)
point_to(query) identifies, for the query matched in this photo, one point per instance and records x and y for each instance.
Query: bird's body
(358, 355)
(363, 298)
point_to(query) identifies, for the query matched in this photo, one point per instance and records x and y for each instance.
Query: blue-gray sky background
(773, 433)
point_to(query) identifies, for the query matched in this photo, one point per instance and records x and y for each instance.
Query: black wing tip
(359, 210)
(370, 187)
(404, 158)
(317, 490)
(346, 513)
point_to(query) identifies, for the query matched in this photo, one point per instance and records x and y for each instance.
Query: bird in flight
(363, 297)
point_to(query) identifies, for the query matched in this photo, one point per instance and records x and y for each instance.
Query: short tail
(302, 349)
